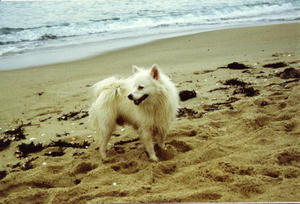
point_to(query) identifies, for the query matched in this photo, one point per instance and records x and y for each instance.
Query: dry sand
(224, 145)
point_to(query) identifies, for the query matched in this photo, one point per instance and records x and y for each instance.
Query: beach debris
(283, 83)
(122, 142)
(25, 149)
(78, 154)
(44, 163)
(40, 93)
(187, 112)
(218, 89)
(246, 72)
(289, 73)
(77, 181)
(61, 144)
(247, 91)
(58, 153)
(74, 115)
(27, 164)
(216, 106)
(236, 66)
(119, 150)
(114, 183)
(3, 174)
(192, 133)
(16, 133)
(207, 71)
(4, 142)
(245, 88)
(275, 65)
(211, 107)
(45, 119)
(235, 82)
(62, 134)
(186, 94)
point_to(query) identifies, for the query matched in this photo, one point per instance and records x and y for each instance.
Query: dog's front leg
(146, 137)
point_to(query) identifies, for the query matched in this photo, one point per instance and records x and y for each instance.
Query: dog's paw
(154, 158)
(103, 156)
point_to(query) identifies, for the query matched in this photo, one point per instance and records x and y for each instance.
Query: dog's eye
(140, 87)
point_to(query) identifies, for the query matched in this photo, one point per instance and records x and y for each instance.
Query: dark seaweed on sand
(235, 82)
(4, 142)
(275, 65)
(218, 89)
(216, 106)
(61, 144)
(55, 153)
(74, 115)
(247, 91)
(122, 142)
(187, 112)
(289, 73)
(25, 149)
(244, 87)
(236, 66)
(17, 133)
(284, 83)
(2, 174)
(186, 94)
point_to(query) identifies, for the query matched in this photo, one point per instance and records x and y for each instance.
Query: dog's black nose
(130, 96)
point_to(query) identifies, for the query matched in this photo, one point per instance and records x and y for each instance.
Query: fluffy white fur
(147, 100)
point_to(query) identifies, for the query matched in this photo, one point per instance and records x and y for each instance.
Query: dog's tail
(109, 83)
(104, 93)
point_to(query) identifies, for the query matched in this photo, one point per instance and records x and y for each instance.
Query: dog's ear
(154, 72)
(135, 69)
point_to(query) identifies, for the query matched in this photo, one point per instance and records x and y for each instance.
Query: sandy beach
(237, 140)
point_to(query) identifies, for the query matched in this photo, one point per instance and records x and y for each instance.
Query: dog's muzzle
(138, 101)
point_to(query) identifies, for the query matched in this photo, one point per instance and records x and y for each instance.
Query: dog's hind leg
(104, 133)
(146, 137)
(160, 141)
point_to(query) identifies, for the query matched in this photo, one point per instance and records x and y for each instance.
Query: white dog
(148, 101)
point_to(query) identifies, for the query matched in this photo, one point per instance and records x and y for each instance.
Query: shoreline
(225, 146)
(52, 56)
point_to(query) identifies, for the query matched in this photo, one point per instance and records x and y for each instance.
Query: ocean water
(43, 32)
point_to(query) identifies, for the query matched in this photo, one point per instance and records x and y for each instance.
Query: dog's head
(144, 83)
